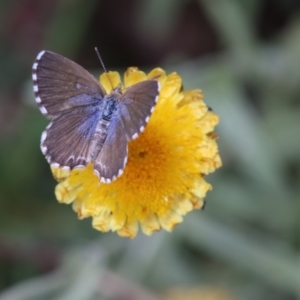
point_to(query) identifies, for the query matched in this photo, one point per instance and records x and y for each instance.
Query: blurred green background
(245, 55)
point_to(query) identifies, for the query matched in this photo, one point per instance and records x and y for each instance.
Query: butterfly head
(118, 89)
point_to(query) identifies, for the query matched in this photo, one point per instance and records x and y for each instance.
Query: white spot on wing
(79, 167)
(55, 165)
(40, 55)
(34, 66)
(34, 77)
(120, 172)
(156, 98)
(66, 168)
(49, 125)
(44, 150)
(147, 119)
(81, 160)
(142, 128)
(96, 172)
(43, 137)
(105, 180)
(71, 157)
(135, 136)
(43, 110)
(158, 87)
(125, 162)
(35, 88)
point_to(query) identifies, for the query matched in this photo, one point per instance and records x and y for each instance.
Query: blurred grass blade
(242, 252)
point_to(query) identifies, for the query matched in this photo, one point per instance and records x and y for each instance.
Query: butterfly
(87, 124)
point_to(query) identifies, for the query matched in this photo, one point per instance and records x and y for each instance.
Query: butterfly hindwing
(61, 84)
(137, 105)
(67, 139)
(111, 161)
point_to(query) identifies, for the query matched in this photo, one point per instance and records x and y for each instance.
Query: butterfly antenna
(103, 66)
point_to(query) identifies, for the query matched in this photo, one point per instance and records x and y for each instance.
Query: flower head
(164, 175)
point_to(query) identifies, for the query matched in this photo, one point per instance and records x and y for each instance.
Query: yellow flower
(164, 175)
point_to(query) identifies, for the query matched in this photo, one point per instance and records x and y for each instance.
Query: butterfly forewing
(61, 84)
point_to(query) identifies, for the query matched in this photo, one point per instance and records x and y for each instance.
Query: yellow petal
(110, 80)
(150, 224)
(133, 76)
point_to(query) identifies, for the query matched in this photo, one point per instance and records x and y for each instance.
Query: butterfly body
(108, 110)
(87, 124)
